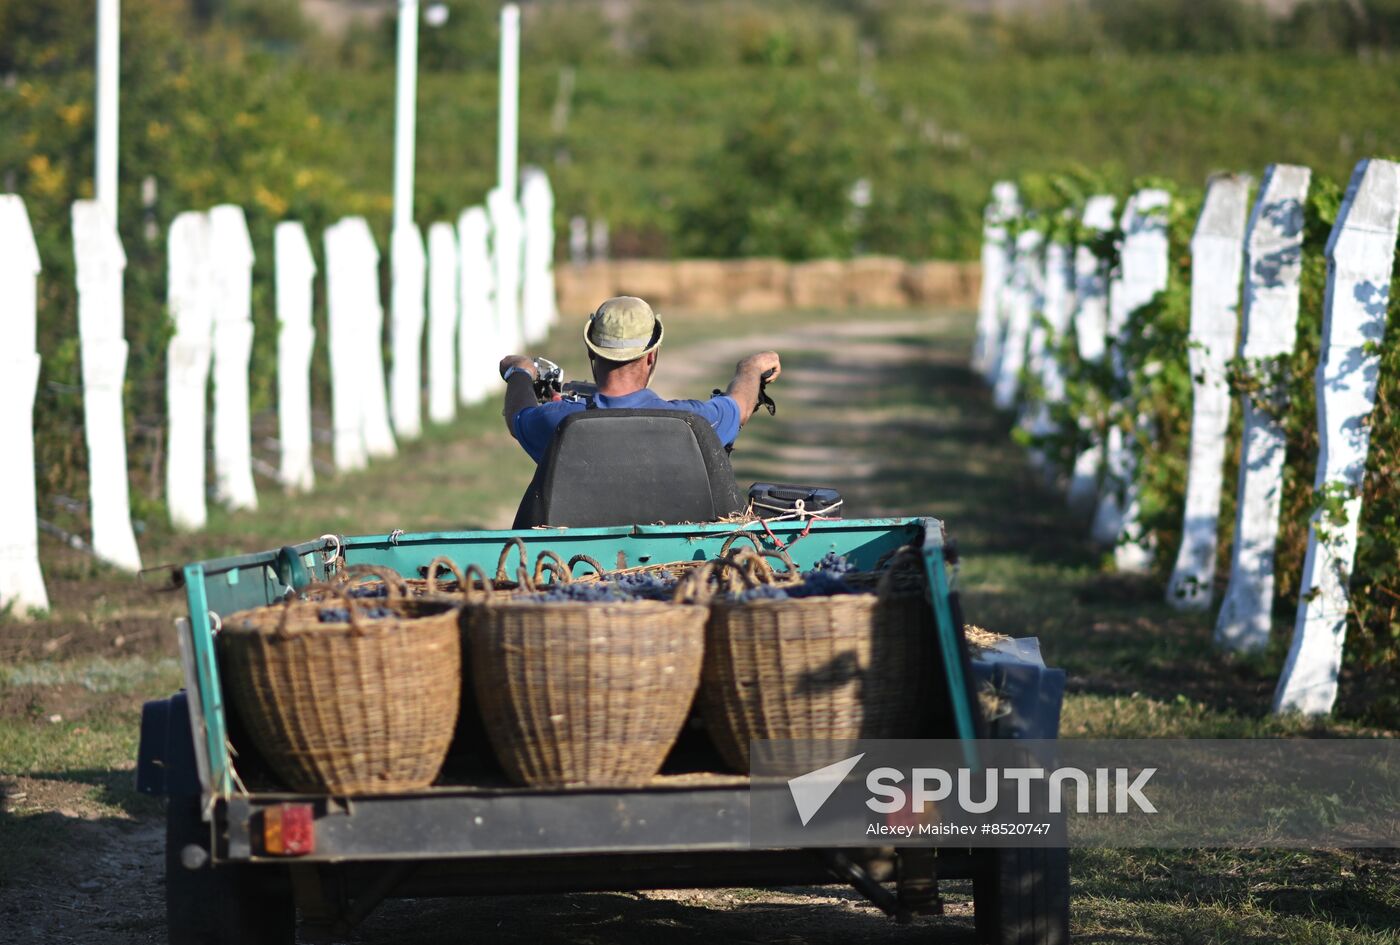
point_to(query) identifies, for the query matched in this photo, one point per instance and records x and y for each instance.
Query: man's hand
(748, 377)
(526, 364)
(761, 363)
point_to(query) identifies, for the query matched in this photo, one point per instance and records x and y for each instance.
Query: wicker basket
(818, 669)
(585, 693)
(363, 707)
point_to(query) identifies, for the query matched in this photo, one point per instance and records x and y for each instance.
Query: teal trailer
(485, 837)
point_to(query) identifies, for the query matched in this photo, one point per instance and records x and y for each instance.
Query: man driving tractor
(623, 337)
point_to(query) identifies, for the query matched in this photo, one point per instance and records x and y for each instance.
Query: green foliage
(468, 41)
(274, 23)
(1203, 26)
(1152, 404)
(1331, 25)
(780, 188)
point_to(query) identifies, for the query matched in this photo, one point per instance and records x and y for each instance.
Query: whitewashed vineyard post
(442, 323)
(1217, 258)
(996, 269)
(21, 580)
(1022, 302)
(537, 295)
(578, 240)
(296, 339)
(503, 202)
(479, 343)
(189, 295)
(1047, 336)
(1090, 334)
(368, 347)
(106, 124)
(360, 413)
(409, 264)
(101, 262)
(1360, 256)
(232, 261)
(505, 264)
(1273, 269)
(347, 424)
(1143, 273)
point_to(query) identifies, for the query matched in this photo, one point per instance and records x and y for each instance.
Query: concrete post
(296, 339)
(232, 258)
(1090, 333)
(1273, 269)
(189, 295)
(1360, 256)
(996, 269)
(442, 323)
(21, 580)
(1217, 259)
(101, 262)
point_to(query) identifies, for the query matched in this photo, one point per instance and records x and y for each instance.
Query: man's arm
(747, 376)
(520, 387)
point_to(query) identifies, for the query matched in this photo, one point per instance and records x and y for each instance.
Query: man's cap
(623, 329)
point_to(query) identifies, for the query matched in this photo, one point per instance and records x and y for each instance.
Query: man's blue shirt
(534, 426)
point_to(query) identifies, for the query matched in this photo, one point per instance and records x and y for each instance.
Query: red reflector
(289, 830)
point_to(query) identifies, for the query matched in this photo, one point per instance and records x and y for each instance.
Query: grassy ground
(881, 406)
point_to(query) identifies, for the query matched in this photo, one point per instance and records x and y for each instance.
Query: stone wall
(744, 286)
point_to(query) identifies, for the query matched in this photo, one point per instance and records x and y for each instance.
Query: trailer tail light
(289, 830)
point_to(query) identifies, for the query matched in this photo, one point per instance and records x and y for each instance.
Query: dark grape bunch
(593, 592)
(614, 589)
(833, 563)
(649, 586)
(368, 590)
(763, 592)
(826, 579)
(342, 614)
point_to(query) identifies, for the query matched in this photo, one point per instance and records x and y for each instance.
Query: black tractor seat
(628, 467)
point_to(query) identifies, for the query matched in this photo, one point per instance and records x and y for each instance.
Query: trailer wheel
(1021, 897)
(225, 905)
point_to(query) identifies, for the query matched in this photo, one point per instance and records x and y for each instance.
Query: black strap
(763, 399)
(520, 395)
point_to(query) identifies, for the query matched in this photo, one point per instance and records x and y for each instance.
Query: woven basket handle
(442, 561)
(741, 533)
(696, 587)
(789, 566)
(585, 559)
(515, 544)
(551, 563)
(745, 569)
(779, 553)
(393, 580)
(357, 625)
(471, 588)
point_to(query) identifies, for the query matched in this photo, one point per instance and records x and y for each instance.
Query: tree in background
(779, 186)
